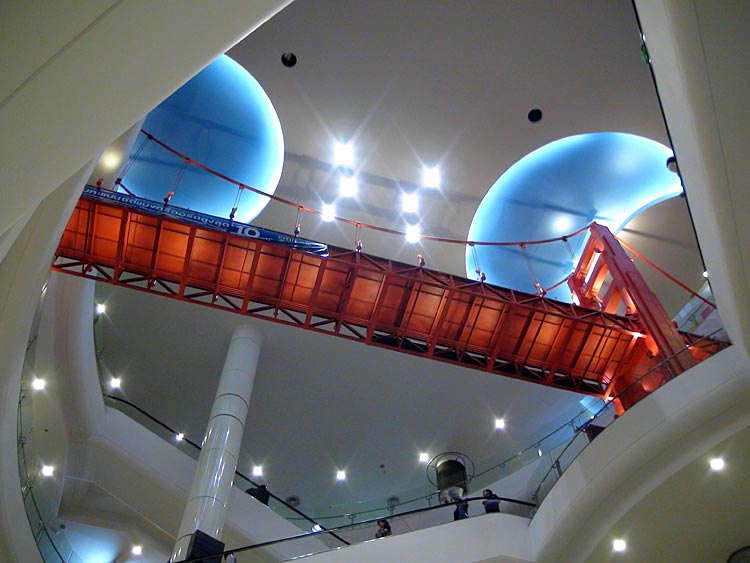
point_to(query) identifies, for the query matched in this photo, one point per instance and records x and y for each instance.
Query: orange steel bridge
(393, 305)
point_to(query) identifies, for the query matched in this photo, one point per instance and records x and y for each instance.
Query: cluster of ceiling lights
(344, 160)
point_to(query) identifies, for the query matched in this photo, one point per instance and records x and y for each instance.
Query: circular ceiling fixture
(438, 460)
(288, 59)
(535, 115)
(293, 501)
(740, 556)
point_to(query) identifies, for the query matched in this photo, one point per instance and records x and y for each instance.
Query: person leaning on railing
(491, 501)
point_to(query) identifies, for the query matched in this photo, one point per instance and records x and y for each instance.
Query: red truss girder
(352, 295)
(604, 258)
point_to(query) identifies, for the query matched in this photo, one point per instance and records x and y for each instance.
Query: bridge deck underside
(356, 296)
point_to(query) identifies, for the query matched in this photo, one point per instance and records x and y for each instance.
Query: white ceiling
(410, 82)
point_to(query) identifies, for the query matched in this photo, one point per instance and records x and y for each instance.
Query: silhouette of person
(491, 501)
(384, 529)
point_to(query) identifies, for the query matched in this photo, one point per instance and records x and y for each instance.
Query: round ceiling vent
(288, 59)
(293, 501)
(535, 115)
(742, 555)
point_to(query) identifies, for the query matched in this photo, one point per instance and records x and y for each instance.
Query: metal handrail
(196, 446)
(236, 550)
(582, 428)
(317, 520)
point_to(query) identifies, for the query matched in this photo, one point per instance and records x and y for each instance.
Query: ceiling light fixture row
(431, 177)
(344, 160)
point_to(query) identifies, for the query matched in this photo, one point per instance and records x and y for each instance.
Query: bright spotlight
(257, 471)
(424, 457)
(110, 159)
(38, 384)
(328, 213)
(179, 437)
(343, 154)
(413, 233)
(705, 274)
(137, 550)
(619, 545)
(717, 464)
(348, 186)
(48, 470)
(409, 203)
(115, 383)
(499, 423)
(341, 475)
(562, 224)
(101, 308)
(431, 177)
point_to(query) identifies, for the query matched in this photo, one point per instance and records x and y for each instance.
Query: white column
(212, 483)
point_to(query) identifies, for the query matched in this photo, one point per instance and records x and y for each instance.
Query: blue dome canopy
(223, 119)
(556, 190)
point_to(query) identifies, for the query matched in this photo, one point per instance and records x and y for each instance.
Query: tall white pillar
(217, 463)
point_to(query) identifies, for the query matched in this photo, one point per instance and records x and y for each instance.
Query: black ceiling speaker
(289, 59)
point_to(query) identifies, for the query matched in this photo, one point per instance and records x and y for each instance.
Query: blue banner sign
(205, 220)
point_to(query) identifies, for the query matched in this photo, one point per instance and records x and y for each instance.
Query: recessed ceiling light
(179, 437)
(409, 203)
(257, 471)
(38, 384)
(115, 383)
(316, 528)
(340, 475)
(431, 177)
(348, 186)
(413, 233)
(562, 224)
(717, 464)
(499, 423)
(619, 545)
(328, 213)
(343, 154)
(101, 308)
(137, 550)
(705, 274)
(110, 159)
(48, 470)
(424, 457)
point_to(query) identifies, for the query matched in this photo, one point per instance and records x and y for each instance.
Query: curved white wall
(76, 75)
(657, 437)
(22, 274)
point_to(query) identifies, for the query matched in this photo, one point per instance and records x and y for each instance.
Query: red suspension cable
(352, 222)
(669, 276)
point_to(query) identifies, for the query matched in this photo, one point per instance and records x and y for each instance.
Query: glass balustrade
(39, 495)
